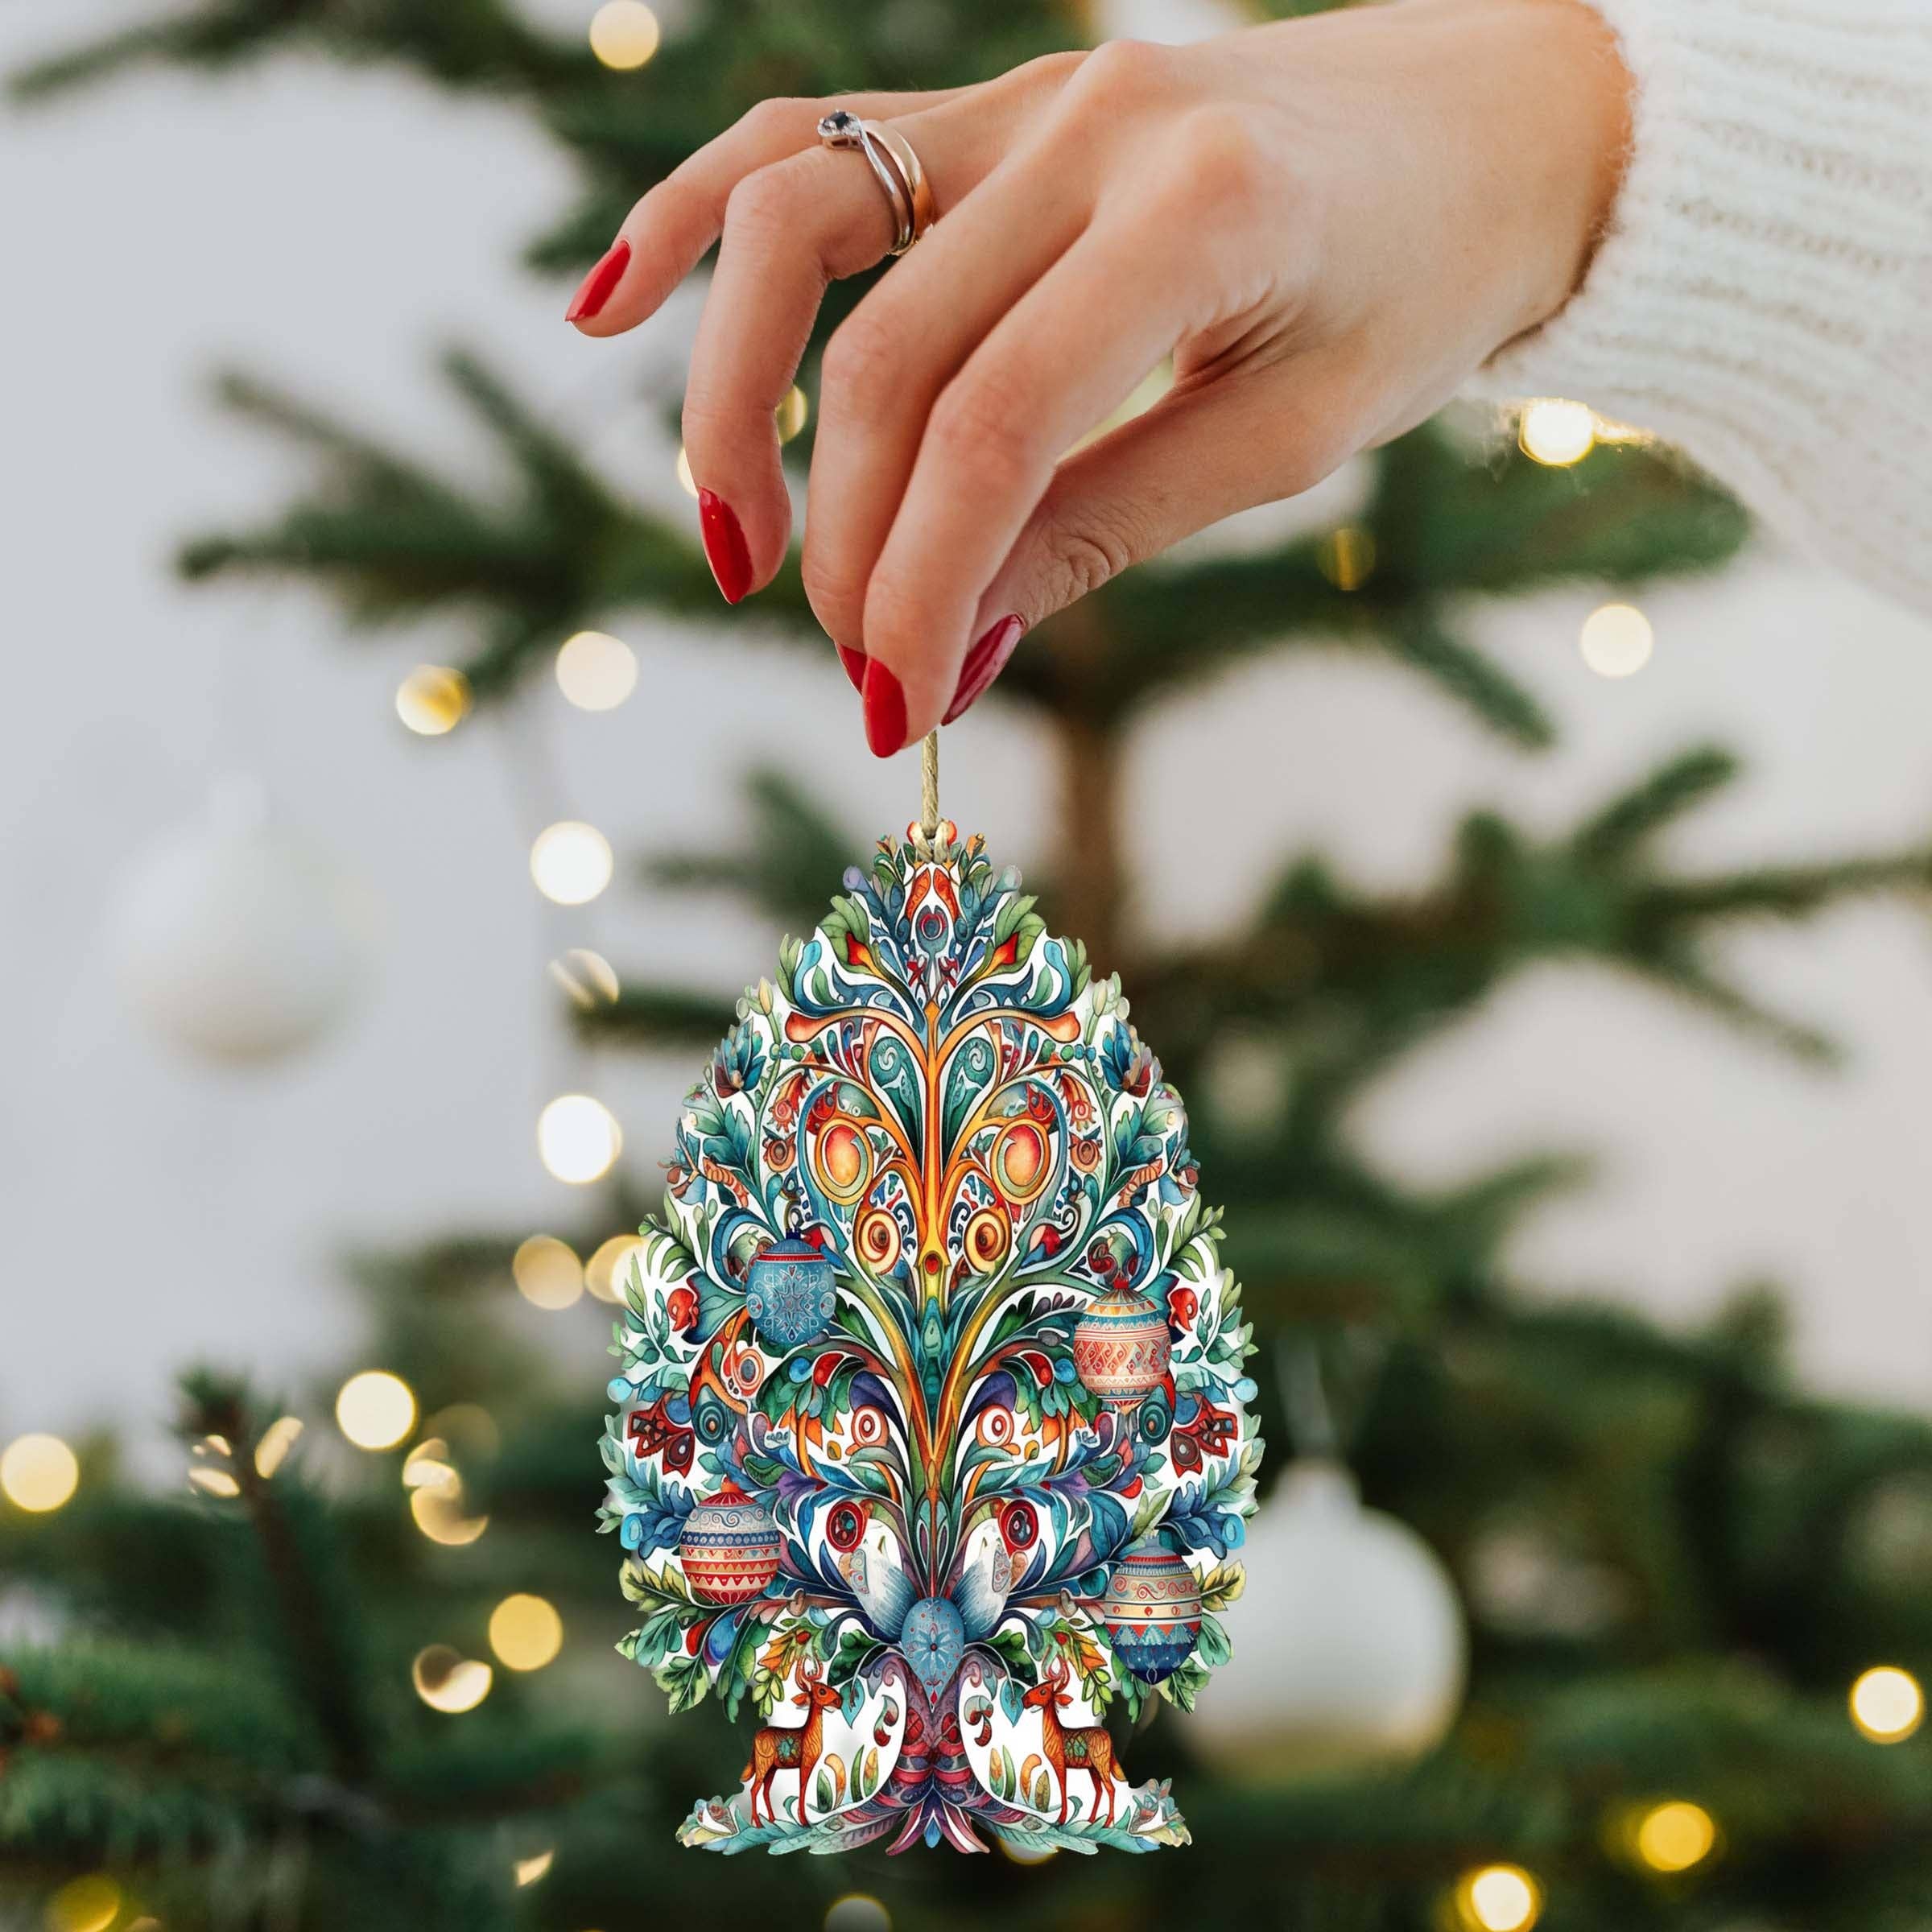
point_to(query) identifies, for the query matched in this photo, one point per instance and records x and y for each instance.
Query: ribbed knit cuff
(1761, 298)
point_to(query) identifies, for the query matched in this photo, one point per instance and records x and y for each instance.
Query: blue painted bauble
(790, 1293)
(1152, 1609)
(729, 1548)
(933, 1639)
(1120, 1347)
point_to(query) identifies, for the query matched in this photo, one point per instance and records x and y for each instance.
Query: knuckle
(1225, 165)
(762, 205)
(1118, 73)
(977, 429)
(775, 117)
(1080, 558)
(862, 356)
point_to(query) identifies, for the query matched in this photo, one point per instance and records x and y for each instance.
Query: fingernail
(984, 662)
(594, 290)
(853, 662)
(725, 550)
(885, 710)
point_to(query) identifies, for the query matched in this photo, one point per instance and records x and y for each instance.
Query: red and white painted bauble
(1120, 1347)
(729, 1548)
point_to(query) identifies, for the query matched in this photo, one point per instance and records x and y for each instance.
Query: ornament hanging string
(929, 786)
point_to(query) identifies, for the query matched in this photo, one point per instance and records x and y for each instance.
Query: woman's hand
(1328, 223)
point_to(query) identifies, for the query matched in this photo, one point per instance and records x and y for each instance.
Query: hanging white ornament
(234, 938)
(1353, 1654)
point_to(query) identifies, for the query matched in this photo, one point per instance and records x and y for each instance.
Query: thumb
(1198, 455)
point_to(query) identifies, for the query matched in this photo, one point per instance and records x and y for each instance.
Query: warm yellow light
(587, 976)
(529, 1870)
(526, 1633)
(607, 1270)
(1556, 431)
(548, 1274)
(446, 1680)
(277, 1440)
(623, 33)
(857, 1912)
(85, 1904)
(1499, 1898)
(1024, 1851)
(578, 1139)
(432, 700)
(1888, 1705)
(1346, 557)
(470, 1428)
(792, 414)
(1616, 640)
(213, 1482)
(1675, 1836)
(570, 862)
(375, 1410)
(597, 671)
(38, 1473)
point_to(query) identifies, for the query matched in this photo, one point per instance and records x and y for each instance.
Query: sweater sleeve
(1763, 297)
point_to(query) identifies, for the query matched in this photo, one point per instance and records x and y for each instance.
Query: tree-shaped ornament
(932, 1447)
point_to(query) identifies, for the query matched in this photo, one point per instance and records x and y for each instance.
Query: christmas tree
(319, 1688)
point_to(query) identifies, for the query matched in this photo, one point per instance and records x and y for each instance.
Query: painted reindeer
(1087, 1748)
(776, 1748)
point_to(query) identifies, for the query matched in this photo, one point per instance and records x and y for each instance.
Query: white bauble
(234, 938)
(1350, 1650)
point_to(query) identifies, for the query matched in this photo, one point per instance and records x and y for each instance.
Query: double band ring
(896, 168)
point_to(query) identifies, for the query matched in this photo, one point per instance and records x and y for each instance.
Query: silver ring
(894, 166)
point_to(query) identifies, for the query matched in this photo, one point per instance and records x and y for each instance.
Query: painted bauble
(729, 1548)
(234, 939)
(1120, 1347)
(790, 1293)
(934, 1640)
(1358, 1656)
(1152, 1609)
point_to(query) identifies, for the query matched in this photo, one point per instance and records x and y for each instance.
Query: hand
(1327, 222)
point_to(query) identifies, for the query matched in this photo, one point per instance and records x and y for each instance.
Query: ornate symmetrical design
(934, 1324)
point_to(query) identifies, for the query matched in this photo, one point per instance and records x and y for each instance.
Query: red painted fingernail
(853, 662)
(984, 662)
(724, 547)
(594, 290)
(885, 710)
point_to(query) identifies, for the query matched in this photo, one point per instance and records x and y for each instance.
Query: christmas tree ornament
(234, 939)
(921, 1457)
(1361, 1658)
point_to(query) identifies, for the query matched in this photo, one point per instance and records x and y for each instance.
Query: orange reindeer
(776, 1748)
(1085, 1748)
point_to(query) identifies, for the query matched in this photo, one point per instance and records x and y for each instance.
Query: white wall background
(330, 228)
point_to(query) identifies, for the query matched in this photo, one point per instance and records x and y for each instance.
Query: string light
(1616, 640)
(792, 414)
(547, 1272)
(587, 976)
(578, 1139)
(624, 34)
(597, 671)
(375, 1410)
(277, 1439)
(570, 862)
(1346, 557)
(435, 1495)
(686, 480)
(1557, 433)
(38, 1473)
(433, 699)
(857, 1912)
(529, 1870)
(1499, 1898)
(85, 1904)
(1887, 1704)
(605, 1272)
(526, 1633)
(1674, 1837)
(447, 1681)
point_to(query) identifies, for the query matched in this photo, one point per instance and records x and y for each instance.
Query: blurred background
(1520, 863)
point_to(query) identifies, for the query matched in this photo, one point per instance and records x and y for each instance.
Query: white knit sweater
(1763, 299)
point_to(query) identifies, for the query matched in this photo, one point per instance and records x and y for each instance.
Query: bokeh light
(597, 671)
(433, 699)
(447, 1681)
(1346, 556)
(548, 1274)
(570, 862)
(1888, 1705)
(857, 1912)
(624, 34)
(528, 1870)
(587, 976)
(1616, 640)
(1674, 1837)
(605, 1272)
(578, 1139)
(792, 414)
(277, 1439)
(375, 1410)
(1499, 1898)
(85, 1904)
(1026, 1850)
(1556, 431)
(526, 1633)
(38, 1473)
